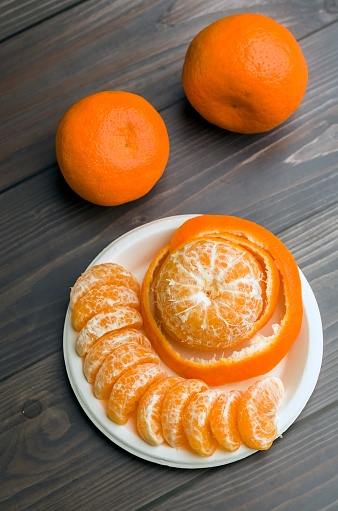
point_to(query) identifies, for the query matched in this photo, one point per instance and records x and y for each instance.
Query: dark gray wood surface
(53, 53)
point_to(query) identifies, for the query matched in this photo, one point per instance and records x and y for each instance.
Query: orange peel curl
(262, 353)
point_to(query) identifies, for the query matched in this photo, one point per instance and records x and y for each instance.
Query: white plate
(299, 370)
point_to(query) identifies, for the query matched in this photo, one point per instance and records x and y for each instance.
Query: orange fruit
(112, 147)
(223, 420)
(149, 411)
(129, 389)
(99, 299)
(214, 296)
(173, 408)
(99, 275)
(262, 353)
(196, 422)
(101, 348)
(114, 318)
(122, 358)
(245, 73)
(257, 413)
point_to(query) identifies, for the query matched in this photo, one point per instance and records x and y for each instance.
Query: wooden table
(54, 53)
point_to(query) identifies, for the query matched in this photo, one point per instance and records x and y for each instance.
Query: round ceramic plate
(299, 370)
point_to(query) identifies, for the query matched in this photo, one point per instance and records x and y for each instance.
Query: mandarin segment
(173, 408)
(196, 422)
(99, 275)
(122, 358)
(129, 389)
(257, 413)
(223, 420)
(99, 299)
(149, 411)
(114, 318)
(101, 348)
(209, 294)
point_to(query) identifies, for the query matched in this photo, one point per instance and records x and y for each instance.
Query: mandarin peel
(263, 353)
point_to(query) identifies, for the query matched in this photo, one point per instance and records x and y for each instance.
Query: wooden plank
(48, 68)
(18, 15)
(52, 457)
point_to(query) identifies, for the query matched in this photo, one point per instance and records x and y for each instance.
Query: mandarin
(112, 147)
(121, 359)
(174, 405)
(99, 299)
(114, 318)
(245, 73)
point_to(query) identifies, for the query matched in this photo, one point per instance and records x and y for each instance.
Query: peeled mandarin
(223, 420)
(149, 410)
(210, 294)
(100, 274)
(99, 299)
(129, 389)
(124, 357)
(106, 344)
(111, 319)
(257, 413)
(196, 423)
(173, 408)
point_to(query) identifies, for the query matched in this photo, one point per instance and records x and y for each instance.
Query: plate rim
(301, 396)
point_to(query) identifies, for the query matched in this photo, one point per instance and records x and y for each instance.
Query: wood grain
(17, 15)
(46, 69)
